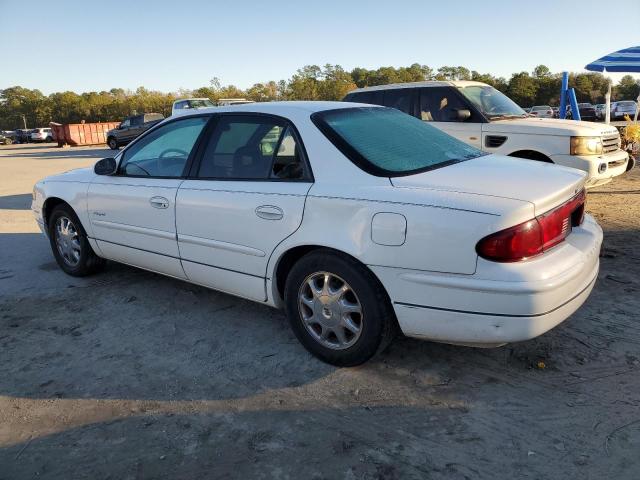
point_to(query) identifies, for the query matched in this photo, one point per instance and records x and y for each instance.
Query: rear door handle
(159, 202)
(269, 212)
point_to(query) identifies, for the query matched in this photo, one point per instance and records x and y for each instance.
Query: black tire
(377, 321)
(113, 143)
(49, 139)
(88, 262)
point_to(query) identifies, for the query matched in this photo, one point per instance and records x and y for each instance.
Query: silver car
(620, 109)
(542, 111)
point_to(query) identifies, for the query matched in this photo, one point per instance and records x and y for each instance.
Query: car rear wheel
(338, 309)
(69, 243)
(113, 144)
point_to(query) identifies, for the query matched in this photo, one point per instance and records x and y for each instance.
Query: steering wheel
(174, 150)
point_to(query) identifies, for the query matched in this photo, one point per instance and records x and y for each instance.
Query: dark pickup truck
(130, 128)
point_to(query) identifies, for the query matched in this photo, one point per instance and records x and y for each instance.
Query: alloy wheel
(67, 241)
(330, 310)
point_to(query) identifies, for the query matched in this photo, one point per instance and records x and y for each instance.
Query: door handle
(269, 212)
(159, 202)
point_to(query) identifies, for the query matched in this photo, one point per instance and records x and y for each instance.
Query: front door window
(163, 152)
(440, 104)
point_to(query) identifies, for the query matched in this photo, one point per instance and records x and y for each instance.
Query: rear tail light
(535, 236)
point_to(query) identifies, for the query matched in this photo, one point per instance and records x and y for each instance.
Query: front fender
(74, 193)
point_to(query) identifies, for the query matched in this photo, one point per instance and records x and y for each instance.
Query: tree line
(330, 82)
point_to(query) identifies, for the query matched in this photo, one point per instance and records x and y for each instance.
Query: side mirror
(106, 166)
(463, 115)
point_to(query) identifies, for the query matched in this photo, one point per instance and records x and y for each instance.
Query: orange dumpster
(81, 133)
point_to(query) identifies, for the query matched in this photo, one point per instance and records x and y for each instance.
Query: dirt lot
(133, 375)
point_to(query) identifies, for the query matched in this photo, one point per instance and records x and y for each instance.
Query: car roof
(280, 108)
(427, 83)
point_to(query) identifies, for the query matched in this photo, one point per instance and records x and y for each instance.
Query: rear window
(386, 142)
(374, 97)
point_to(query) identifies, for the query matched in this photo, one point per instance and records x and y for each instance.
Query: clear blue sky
(165, 45)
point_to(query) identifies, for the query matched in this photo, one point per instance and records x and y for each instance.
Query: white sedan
(357, 220)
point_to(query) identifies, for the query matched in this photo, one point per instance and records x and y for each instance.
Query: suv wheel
(69, 243)
(338, 309)
(113, 144)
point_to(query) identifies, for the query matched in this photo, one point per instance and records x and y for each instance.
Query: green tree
(627, 88)
(335, 83)
(541, 71)
(305, 83)
(522, 89)
(453, 73)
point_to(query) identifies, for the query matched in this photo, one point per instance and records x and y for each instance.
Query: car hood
(548, 126)
(545, 185)
(76, 175)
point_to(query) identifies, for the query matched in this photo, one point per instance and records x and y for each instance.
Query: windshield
(201, 103)
(387, 142)
(492, 103)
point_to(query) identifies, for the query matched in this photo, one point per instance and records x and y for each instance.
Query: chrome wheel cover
(67, 241)
(330, 310)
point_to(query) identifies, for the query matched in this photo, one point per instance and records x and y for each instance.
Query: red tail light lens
(535, 236)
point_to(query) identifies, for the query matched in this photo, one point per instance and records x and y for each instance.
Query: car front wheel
(113, 144)
(338, 309)
(69, 243)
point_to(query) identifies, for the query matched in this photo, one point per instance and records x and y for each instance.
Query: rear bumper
(500, 303)
(616, 164)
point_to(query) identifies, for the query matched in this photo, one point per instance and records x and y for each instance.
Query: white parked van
(480, 115)
(187, 105)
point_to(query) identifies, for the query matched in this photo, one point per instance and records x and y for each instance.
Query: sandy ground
(130, 375)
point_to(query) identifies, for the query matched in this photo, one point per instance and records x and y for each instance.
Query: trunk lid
(544, 185)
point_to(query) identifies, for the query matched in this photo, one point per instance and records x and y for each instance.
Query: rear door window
(359, 97)
(250, 147)
(373, 97)
(400, 99)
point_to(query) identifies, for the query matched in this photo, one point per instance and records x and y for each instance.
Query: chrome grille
(610, 143)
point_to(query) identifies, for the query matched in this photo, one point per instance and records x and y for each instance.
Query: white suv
(41, 135)
(480, 115)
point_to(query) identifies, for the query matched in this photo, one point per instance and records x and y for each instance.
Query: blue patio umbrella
(626, 60)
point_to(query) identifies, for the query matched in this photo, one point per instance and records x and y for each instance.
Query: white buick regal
(354, 219)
